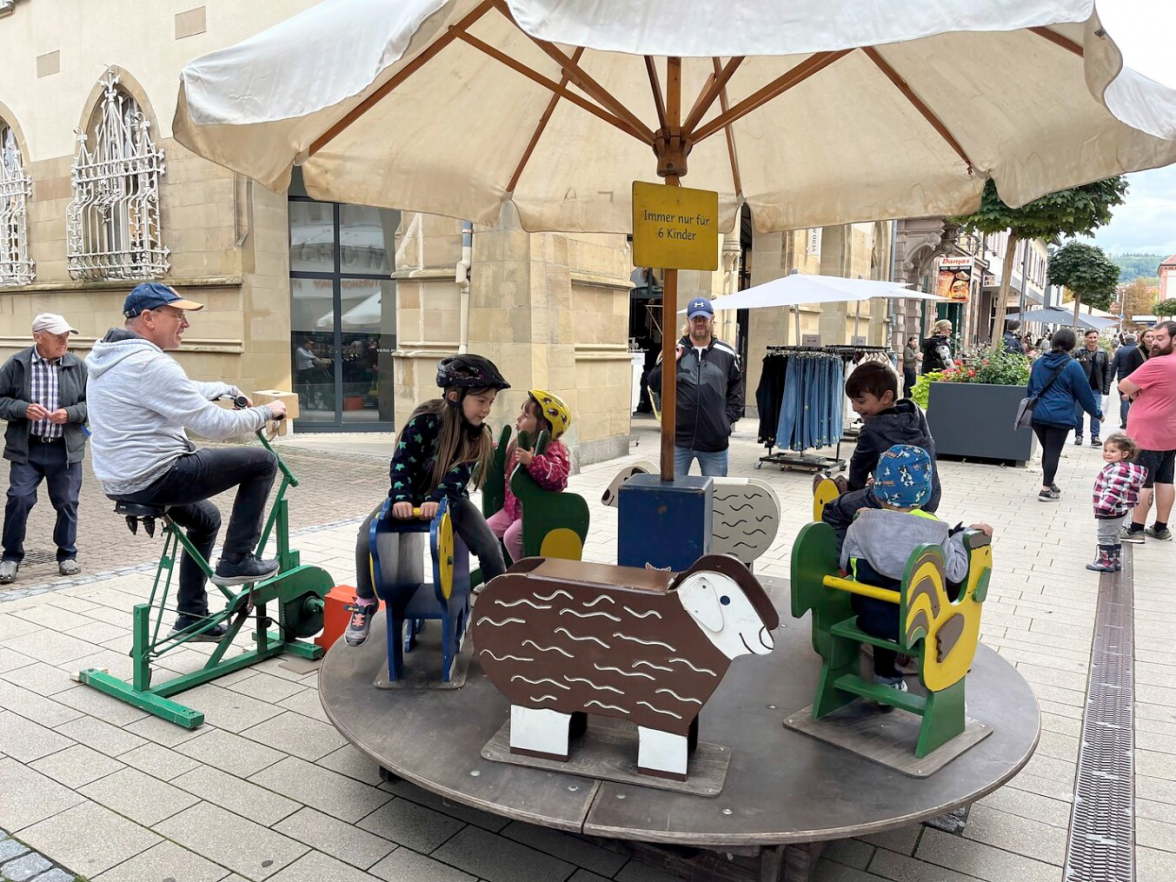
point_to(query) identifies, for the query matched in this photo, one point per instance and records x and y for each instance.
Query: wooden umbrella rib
(730, 133)
(812, 65)
(902, 86)
(715, 85)
(543, 120)
(403, 74)
(555, 87)
(655, 85)
(1058, 40)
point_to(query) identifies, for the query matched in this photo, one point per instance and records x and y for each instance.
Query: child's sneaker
(361, 621)
(896, 683)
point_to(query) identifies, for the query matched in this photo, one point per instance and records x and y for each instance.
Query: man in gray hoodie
(140, 403)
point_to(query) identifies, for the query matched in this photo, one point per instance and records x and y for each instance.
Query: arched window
(112, 224)
(15, 188)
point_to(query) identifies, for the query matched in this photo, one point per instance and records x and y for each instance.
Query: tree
(1087, 271)
(1075, 212)
(1138, 298)
(1165, 308)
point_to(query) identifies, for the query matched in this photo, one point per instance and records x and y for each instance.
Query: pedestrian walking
(1127, 358)
(1060, 387)
(1012, 343)
(43, 400)
(910, 365)
(1095, 365)
(710, 394)
(1151, 423)
(937, 348)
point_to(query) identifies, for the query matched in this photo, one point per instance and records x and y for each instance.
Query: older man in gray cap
(43, 400)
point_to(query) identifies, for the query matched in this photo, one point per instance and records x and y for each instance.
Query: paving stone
(29, 796)
(1152, 865)
(103, 737)
(903, 840)
(572, 849)
(266, 687)
(347, 760)
(585, 876)
(405, 865)
(830, 871)
(1155, 789)
(76, 766)
(903, 868)
(40, 678)
(315, 867)
(15, 626)
(138, 796)
(1020, 835)
(9, 849)
(327, 791)
(306, 703)
(159, 762)
(981, 860)
(230, 753)
(116, 663)
(34, 707)
(848, 852)
(50, 647)
(635, 871)
(297, 735)
(228, 710)
(232, 841)
(25, 867)
(49, 617)
(164, 733)
(415, 826)
(11, 660)
(55, 875)
(1024, 804)
(1155, 764)
(229, 792)
(27, 741)
(500, 860)
(1155, 834)
(89, 838)
(334, 837)
(161, 862)
(479, 818)
(103, 707)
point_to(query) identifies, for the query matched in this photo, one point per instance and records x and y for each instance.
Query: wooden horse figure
(939, 632)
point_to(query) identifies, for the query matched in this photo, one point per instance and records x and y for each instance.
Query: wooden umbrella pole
(669, 385)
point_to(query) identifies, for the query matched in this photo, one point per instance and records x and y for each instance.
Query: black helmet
(469, 372)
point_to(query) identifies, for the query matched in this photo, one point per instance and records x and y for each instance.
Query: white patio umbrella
(815, 112)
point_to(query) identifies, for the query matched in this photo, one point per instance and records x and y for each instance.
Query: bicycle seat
(136, 510)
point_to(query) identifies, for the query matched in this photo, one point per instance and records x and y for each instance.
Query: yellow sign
(675, 228)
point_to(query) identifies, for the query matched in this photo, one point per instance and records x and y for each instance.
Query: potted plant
(971, 407)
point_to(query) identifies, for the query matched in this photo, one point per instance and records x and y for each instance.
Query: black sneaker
(1096, 442)
(1050, 495)
(1162, 533)
(249, 569)
(189, 623)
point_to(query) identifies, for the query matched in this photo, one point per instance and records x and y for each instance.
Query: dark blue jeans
(186, 489)
(46, 462)
(1124, 407)
(1080, 416)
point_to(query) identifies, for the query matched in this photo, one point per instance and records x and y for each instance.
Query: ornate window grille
(112, 224)
(15, 188)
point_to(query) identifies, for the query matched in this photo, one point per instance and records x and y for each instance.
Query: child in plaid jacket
(1116, 490)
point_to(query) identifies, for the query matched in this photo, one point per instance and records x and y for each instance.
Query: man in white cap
(43, 399)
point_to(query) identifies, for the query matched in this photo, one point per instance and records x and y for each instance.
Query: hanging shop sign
(675, 227)
(955, 278)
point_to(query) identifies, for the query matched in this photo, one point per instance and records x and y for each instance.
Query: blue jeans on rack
(788, 409)
(712, 465)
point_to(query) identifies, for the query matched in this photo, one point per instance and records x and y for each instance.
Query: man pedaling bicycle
(140, 403)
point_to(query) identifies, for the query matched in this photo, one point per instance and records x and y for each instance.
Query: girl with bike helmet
(543, 411)
(442, 451)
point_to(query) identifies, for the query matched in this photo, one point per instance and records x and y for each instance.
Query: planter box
(975, 420)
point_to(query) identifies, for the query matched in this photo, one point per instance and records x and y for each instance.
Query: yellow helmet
(553, 409)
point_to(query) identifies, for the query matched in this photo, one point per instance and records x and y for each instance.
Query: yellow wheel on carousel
(445, 554)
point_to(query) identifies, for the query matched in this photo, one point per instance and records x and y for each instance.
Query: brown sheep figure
(562, 637)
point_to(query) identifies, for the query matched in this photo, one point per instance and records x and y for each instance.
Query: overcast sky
(1143, 30)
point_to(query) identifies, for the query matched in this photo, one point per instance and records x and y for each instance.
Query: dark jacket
(1056, 406)
(905, 423)
(710, 395)
(1127, 359)
(1097, 368)
(16, 389)
(936, 353)
(1012, 343)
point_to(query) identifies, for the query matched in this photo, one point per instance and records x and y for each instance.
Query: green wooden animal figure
(939, 633)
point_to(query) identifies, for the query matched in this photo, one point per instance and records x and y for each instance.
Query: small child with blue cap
(880, 541)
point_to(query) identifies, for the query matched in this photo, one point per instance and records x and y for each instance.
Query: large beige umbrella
(815, 112)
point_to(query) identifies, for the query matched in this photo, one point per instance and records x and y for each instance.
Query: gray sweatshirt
(887, 538)
(140, 402)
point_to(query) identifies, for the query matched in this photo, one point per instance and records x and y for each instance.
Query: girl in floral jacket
(542, 411)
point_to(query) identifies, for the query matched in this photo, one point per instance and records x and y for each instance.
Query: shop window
(112, 225)
(16, 268)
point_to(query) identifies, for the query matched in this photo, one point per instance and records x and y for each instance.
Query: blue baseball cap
(903, 477)
(699, 306)
(153, 295)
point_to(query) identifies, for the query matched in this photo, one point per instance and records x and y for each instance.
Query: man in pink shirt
(1151, 422)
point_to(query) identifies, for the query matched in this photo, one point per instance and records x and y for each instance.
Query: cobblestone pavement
(267, 789)
(20, 864)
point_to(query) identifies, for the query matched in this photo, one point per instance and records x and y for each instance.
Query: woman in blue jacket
(1054, 414)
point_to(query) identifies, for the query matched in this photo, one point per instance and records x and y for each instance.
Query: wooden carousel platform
(783, 789)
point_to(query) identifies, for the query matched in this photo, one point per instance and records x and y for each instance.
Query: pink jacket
(550, 472)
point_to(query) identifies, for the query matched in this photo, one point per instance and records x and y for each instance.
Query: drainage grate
(1101, 845)
(39, 557)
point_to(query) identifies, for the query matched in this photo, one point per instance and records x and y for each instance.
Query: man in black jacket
(1012, 342)
(710, 394)
(1127, 358)
(1096, 364)
(43, 400)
